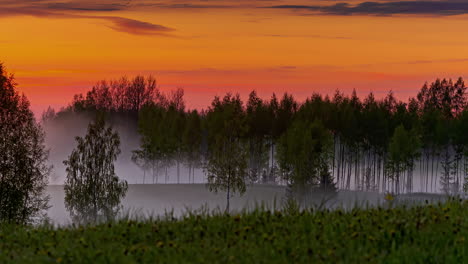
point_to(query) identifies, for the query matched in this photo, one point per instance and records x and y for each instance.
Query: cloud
(87, 9)
(328, 7)
(137, 27)
(433, 8)
(77, 10)
(83, 6)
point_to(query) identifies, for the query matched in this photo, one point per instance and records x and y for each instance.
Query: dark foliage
(24, 170)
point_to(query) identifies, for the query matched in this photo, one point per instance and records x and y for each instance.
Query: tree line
(339, 141)
(328, 142)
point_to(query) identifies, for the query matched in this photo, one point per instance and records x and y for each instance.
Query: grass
(418, 234)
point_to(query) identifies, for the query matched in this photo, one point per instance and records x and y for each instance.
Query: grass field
(420, 234)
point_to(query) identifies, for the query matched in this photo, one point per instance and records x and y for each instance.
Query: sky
(58, 48)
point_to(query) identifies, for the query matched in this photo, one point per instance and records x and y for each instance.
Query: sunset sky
(60, 48)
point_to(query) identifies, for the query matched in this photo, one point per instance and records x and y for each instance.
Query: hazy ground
(156, 199)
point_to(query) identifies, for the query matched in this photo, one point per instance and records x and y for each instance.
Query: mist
(60, 141)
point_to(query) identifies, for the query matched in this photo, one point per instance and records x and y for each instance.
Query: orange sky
(59, 48)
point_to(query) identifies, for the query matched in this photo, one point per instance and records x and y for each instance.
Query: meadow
(427, 233)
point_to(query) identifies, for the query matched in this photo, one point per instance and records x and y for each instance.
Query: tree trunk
(334, 151)
(228, 194)
(166, 174)
(397, 184)
(189, 172)
(427, 170)
(436, 174)
(178, 172)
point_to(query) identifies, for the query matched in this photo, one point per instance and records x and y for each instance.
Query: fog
(60, 141)
(155, 199)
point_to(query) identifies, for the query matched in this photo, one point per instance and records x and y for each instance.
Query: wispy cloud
(136, 27)
(87, 9)
(387, 8)
(83, 10)
(327, 7)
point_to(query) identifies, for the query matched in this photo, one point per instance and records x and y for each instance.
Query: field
(420, 234)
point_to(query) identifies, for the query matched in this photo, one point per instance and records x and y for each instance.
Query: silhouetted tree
(48, 115)
(24, 170)
(118, 96)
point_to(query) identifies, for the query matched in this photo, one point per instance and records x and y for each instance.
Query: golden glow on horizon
(213, 51)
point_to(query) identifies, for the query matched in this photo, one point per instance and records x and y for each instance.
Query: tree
(120, 96)
(160, 127)
(48, 115)
(24, 170)
(92, 189)
(227, 168)
(141, 91)
(305, 153)
(175, 119)
(192, 140)
(447, 178)
(403, 150)
(361, 131)
(259, 122)
(143, 160)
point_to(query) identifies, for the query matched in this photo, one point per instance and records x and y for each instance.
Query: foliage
(226, 167)
(361, 131)
(259, 123)
(92, 189)
(24, 170)
(122, 95)
(164, 137)
(305, 153)
(403, 150)
(419, 234)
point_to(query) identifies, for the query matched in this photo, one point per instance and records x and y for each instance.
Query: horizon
(57, 49)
